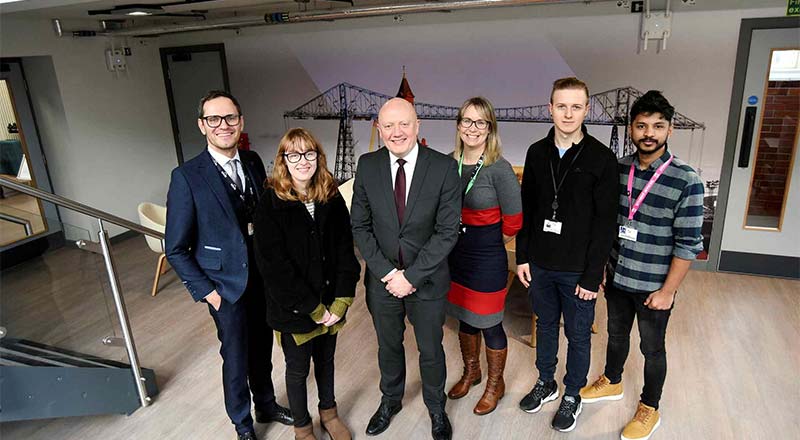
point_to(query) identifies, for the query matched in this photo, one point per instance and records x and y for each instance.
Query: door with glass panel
(761, 232)
(22, 218)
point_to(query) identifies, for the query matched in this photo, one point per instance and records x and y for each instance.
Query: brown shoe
(333, 425)
(495, 385)
(470, 352)
(304, 432)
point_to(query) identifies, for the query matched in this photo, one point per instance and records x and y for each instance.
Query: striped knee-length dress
(478, 263)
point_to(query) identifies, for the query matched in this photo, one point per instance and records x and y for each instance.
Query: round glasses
(480, 124)
(310, 156)
(214, 121)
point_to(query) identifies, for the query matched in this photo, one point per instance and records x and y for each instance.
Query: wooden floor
(733, 350)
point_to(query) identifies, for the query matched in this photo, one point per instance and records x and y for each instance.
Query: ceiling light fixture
(136, 10)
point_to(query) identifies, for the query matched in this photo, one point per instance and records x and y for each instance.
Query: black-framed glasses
(293, 157)
(480, 124)
(214, 121)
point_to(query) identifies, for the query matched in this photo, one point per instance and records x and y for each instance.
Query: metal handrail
(25, 223)
(79, 207)
(111, 270)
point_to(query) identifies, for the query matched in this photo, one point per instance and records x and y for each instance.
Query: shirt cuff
(340, 305)
(318, 313)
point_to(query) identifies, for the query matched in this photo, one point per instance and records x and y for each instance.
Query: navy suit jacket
(204, 242)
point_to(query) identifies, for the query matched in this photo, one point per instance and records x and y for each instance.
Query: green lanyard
(474, 172)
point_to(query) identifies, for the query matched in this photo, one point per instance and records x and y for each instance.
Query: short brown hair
(322, 186)
(568, 83)
(214, 94)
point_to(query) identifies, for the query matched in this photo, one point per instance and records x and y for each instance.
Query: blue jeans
(552, 293)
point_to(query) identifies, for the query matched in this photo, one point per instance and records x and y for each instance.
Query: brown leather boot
(333, 425)
(495, 386)
(470, 352)
(304, 432)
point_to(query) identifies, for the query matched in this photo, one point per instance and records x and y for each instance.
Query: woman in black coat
(304, 250)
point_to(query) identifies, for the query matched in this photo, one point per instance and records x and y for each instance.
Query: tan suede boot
(495, 385)
(470, 352)
(333, 425)
(304, 432)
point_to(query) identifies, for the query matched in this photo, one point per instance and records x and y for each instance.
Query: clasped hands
(398, 285)
(328, 319)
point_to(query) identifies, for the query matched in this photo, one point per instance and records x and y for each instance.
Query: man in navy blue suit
(209, 243)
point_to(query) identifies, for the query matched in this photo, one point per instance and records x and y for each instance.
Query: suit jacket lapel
(385, 177)
(212, 178)
(417, 182)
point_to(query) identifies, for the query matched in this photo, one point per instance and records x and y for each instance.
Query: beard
(642, 148)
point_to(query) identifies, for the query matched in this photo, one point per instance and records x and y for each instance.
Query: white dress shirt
(408, 167)
(227, 164)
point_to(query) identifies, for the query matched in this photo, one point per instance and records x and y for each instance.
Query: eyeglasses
(214, 121)
(310, 156)
(480, 124)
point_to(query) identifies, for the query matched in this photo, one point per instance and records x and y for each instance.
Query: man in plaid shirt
(660, 216)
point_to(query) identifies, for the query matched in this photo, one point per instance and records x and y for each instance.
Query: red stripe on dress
(480, 217)
(512, 224)
(482, 303)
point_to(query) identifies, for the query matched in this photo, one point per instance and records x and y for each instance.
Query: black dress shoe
(382, 417)
(440, 426)
(248, 436)
(277, 414)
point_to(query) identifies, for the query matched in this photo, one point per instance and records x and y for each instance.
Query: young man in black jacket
(569, 200)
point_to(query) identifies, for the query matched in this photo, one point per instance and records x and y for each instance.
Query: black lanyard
(556, 188)
(232, 184)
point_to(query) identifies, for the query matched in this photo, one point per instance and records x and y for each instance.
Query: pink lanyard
(632, 209)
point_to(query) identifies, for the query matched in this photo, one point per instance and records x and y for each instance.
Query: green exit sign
(793, 7)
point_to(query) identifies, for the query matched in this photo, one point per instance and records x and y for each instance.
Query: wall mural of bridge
(345, 102)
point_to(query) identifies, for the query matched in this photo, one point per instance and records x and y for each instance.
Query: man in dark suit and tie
(209, 243)
(405, 215)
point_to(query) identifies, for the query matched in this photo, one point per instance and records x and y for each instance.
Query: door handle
(747, 136)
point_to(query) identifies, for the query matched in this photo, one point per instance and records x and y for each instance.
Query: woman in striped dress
(491, 215)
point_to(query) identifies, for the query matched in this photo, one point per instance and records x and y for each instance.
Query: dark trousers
(298, 362)
(246, 350)
(622, 307)
(427, 318)
(552, 293)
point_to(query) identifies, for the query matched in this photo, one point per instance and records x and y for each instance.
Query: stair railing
(108, 258)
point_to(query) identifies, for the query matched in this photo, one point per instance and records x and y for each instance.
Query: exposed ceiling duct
(327, 15)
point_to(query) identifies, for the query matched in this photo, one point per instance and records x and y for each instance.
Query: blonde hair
(322, 186)
(486, 111)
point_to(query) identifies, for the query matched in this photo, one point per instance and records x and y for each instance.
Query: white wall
(117, 148)
(113, 146)
(508, 55)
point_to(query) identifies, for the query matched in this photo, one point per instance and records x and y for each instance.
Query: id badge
(552, 226)
(251, 229)
(628, 233)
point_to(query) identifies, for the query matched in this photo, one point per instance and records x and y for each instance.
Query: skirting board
(760, 264)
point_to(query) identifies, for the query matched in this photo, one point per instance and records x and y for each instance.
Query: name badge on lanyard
(552, 226)
(627, 232)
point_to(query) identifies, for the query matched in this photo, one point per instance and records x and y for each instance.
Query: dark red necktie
(400, 197)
